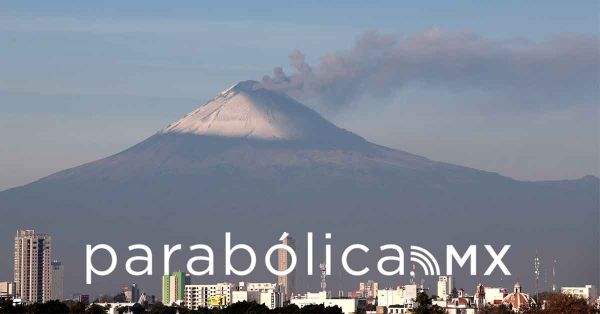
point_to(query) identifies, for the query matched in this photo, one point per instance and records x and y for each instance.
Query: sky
(508, 87)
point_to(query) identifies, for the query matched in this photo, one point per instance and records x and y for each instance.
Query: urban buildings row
(39, 278)
(390, 300)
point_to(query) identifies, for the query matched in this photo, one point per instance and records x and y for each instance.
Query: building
(402, 296)
(32, 266)
(116, 308)
(57, 274)
(518, 299)
(489, 296)
(269, 294)
(209, 296)
(84, 298)
(7, 289)
(288, 282)
(245, 296)
(173, 287)
(367, 290)
(443, 288)
(348, 305)
(146, 299)
(132, 293)
(589, 292)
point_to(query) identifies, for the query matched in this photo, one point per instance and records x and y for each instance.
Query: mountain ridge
(182, 183)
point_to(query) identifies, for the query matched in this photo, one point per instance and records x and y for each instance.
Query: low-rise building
(518, 299)
(402, 295)
(117, 307)
(209, 296)
(348, 305)
(7, 289)
(588, 292)
(270, 294)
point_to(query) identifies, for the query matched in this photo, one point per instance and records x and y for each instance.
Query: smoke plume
(559, 71)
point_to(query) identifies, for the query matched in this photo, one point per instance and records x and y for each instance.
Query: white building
(115, 307)
(399, 309)
(33, 278)
(442, 288)
(217, 295)
(403, 296)
(589, 292)
(348, 306)
(269, 294)
(247, 296)
(494, 295)
(367, 289)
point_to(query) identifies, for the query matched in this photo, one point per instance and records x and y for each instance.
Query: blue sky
(83, 80)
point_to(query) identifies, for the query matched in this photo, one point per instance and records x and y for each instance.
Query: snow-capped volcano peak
(246, 110)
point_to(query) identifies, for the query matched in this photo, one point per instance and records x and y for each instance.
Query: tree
(287, 309)
(424, 305)
(159, 308)
(77, 307)
(120, 298)
(53, 306)
(6, 306)
(496, 309)
(246, 307)
(138, 309)
(96, 309)
(566, 303)
(454, 293)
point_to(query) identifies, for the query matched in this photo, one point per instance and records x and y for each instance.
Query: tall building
(33, 276)
(132, 293)
(288, 282)
(57, 274)
(443, 287)
(173, 287)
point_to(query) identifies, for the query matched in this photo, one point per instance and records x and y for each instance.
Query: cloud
(524, 75)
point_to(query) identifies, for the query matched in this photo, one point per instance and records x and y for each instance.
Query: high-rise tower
(283, 262)
(57, 274)
(33, 275)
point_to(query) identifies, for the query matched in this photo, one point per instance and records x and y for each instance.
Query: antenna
(536, 272)
(554, 276)
(412, 275)
(323, 276)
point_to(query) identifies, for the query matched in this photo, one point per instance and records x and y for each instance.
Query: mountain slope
(261, 163)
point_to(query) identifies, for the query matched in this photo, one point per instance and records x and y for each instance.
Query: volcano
(260, 162)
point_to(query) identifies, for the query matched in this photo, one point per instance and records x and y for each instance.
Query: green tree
(6, 306)
(96, 309)
(423, 305)
(454, 293)
(287, 309)
(53, 306)
(77, 307)
(159, 308)
(120, 298)
(496, 309)
(566, 303)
